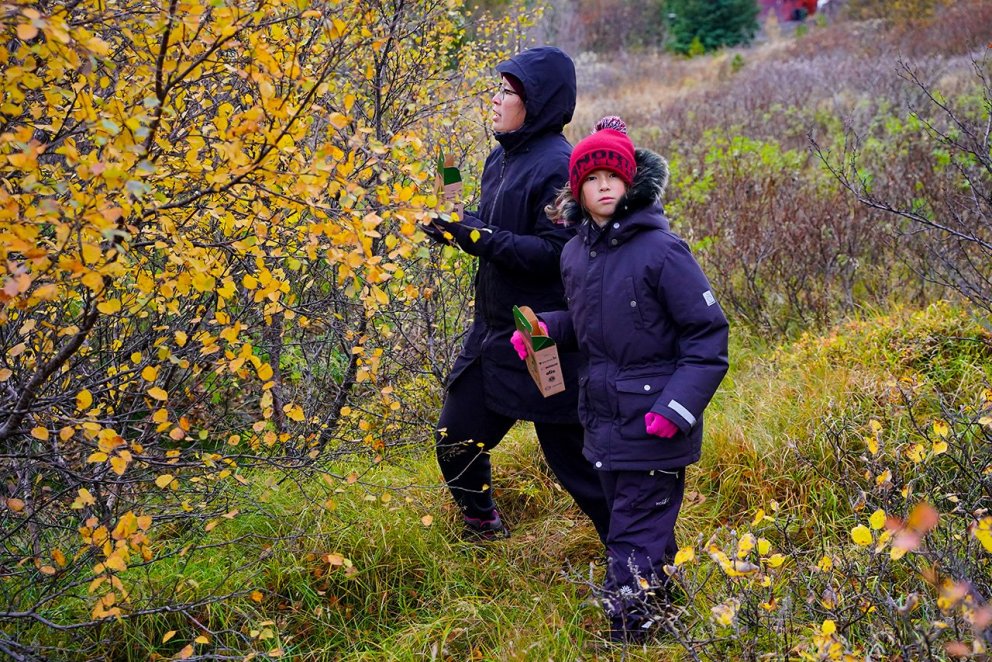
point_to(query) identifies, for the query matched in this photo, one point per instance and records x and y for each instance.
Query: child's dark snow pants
(643, 508)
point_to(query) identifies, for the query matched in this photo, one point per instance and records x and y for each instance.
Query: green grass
(376, 569)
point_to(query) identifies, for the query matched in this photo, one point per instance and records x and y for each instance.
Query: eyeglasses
(504, 92)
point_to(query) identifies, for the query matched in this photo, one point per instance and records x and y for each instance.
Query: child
(654, 343)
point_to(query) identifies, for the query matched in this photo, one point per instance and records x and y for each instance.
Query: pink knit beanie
(609, 148)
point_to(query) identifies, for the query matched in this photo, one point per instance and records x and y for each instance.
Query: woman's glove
(519, 344)
(659, 426)
(462, 231)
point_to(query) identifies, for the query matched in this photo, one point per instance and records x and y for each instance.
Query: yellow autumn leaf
(83, 499)
(877, 519)
(26, 31)
(939, 447)
(116, 563)
(158, 393)
(861, 535)
(16, 505)
(380, 295)
(685, 555)
(149, 373)
(828, 628)
(294, 413)
(265, 372)
(84, 399)
(98, 456)
(109, 307)
(167, 636)
(118, 464)
(40, 432)
(940, 428)
(775, 560)
(427, 520)
(164, 480)
(917, 453)
(983, 533)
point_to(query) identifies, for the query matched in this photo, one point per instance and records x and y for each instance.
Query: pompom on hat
(608, 148)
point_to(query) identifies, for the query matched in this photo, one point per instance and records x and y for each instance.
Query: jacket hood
(648, 187)
(548, 77)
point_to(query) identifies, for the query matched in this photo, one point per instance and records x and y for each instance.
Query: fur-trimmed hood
(648, 187)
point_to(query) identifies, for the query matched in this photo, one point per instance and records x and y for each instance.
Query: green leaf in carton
(525, 327)
(446, 167)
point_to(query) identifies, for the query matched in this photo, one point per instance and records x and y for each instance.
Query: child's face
(601, 190)
(508, 109)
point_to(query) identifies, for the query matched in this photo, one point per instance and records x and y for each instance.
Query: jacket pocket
(635, 397)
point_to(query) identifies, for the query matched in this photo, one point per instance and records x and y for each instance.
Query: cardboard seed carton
(542, 353)
(448, 183)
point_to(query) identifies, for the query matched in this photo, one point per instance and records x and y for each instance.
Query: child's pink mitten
(659, 426)
(517, 340)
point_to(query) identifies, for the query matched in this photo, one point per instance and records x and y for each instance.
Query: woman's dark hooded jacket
(652, 334)
(517, 245)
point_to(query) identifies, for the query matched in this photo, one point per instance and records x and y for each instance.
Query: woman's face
(601, 190)
(508, 109)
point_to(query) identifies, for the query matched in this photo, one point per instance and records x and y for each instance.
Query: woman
(518, 248)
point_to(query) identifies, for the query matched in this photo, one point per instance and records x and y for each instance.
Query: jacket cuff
(677, 413)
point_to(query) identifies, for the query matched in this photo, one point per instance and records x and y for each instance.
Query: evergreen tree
(714, 23)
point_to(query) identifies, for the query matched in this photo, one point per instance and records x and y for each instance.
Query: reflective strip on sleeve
(683, 412)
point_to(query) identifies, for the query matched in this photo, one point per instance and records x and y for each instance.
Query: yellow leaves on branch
(982, 531)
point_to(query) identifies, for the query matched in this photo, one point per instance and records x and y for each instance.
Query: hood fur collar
(648, 186)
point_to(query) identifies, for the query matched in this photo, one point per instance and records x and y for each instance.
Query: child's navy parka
(652, 333)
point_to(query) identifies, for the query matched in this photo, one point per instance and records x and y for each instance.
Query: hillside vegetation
(223, 341)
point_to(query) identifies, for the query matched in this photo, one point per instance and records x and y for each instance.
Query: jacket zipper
(492, 212)
(499, 189)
